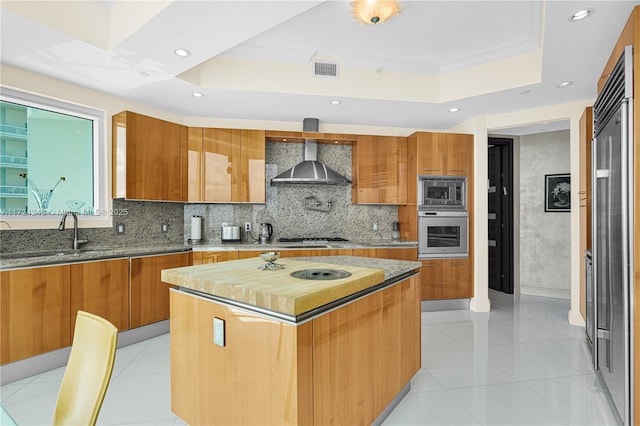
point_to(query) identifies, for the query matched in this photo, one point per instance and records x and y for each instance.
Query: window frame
(101, 199)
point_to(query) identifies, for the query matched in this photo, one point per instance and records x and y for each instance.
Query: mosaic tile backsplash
(285, 208)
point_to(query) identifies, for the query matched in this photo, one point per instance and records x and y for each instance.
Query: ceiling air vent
(325, 69)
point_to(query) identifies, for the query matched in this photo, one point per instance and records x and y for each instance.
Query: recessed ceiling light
(183, 53)
(335, 102)
(454, 109)
(581, 14)
(564, 84)
(197, 95)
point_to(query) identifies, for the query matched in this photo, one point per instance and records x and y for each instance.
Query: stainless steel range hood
(310, 170)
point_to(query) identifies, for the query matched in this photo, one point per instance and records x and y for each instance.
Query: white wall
(545, 237)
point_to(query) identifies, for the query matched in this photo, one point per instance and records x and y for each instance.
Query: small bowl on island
(270, 257)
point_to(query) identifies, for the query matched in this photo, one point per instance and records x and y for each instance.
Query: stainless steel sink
(320, 274)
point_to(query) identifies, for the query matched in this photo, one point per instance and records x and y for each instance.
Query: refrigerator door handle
(594, 248)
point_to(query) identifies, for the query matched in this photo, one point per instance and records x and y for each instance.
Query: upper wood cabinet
(380, 170)
(441, 153)
(226, 165)
(148, 161)
(35, 312)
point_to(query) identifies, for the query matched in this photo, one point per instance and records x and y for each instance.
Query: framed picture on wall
(557, 192)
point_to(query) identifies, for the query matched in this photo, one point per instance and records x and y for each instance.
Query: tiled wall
(285, 210)
(142, 221)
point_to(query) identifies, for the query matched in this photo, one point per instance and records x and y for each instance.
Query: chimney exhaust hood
(310, 170)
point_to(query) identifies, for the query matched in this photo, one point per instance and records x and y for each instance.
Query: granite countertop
(62, 256)
(241, 282)
(363, 243)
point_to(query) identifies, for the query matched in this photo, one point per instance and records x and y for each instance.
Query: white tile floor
(520, 364)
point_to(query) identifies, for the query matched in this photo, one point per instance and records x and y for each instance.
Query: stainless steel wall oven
(443, 234)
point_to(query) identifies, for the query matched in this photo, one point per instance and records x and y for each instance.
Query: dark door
(501, 214)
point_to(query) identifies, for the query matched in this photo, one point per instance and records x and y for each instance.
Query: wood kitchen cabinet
(446, 279)
(379, 170)
(204, 257)
(149, 301)
(101, 288)
(226, 165)
(149, 158)
(586, 134)
(441, 153)
(35, 315)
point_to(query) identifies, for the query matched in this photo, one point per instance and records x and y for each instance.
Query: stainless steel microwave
(442, 192)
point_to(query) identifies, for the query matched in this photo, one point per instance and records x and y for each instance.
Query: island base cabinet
(342, 367)
(261, 376)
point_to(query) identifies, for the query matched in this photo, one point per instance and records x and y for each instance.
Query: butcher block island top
(242, 281)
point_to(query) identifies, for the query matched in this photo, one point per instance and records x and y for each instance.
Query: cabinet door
(149, 295)
(194, 164)
(35, 316)
(218, 256)
(400, 253)
(392, 179)
(431, 280)
(367, 169)
(430, 154)
(154, 158)
(458, 150)
(457, 283)
(221, 165)
(252, 169)
(101, 288)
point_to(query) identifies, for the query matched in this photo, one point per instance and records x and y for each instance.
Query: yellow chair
(86, 378)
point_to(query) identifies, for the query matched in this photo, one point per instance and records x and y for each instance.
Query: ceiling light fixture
(183, 53)
(581, 14)
(197, 95)
(525, 92)
(375, 11)
(564, 84)
(143, 74)
(454, 109)
(335, 102)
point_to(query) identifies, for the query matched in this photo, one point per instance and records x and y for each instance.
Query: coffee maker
(266, 231)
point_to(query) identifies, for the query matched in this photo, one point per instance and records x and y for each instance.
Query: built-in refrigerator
(612, 234)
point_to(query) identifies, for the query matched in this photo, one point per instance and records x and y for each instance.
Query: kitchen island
(286, 350)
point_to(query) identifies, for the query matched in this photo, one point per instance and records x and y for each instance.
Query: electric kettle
(266, 231)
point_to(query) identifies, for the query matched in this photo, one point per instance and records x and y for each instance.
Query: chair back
(88, 372)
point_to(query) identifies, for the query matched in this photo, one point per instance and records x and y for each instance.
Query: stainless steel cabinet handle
(430, 170)
(456, 170)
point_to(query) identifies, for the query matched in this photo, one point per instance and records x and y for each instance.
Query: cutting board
(243, 281)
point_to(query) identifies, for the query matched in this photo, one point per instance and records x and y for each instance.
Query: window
(51, 158)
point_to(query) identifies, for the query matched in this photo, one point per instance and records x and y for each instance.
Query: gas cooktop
(311, 240)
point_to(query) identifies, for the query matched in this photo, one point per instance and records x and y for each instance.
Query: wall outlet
(119, 228)
(218, 331)
(247, 226)
(164, 227)
(375, 227)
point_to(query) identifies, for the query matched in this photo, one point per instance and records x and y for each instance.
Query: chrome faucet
(76, 241)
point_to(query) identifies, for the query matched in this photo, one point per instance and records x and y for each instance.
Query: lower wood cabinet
(446, 279)
(35, 315)
(101, 288)
(203, 257)
(149, 301)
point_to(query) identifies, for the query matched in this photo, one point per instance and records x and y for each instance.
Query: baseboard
(556, 293)
(445, 305)
(19, 370)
